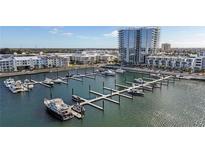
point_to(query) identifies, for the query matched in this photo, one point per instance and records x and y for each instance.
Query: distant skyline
(91, 37)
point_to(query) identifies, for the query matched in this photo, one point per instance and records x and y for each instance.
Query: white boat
(108, 73)
(77, 99)
(155, 75)
(48, 82)
(147, 88)
(58, 108)
(17, 87)
(136, 92)
(139, 80)
(28, 84)
(78, 108)
(8, 82)
(57, 81)
(120, 71)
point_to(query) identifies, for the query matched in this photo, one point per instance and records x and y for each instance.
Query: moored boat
(28, 84)
(8, 82)
(76, 99)
(17, 87)
(58, 108)
(58, 81)
(139, 80)
(108, 73)
(48, 82)
(120, 71)
(136, 92)
(78, 108)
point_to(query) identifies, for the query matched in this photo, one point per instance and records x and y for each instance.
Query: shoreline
(185, 76)
(10, 74)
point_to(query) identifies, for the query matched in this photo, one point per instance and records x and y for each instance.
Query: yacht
(17, 87)
(108, 73)
(78, 108)
(28, 84)
(136, 92)
(139, 80)
(8, 82)
(48, 82)
(58, 108)
(120, 71)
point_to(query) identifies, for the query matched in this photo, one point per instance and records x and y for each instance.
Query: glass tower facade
(136, 43)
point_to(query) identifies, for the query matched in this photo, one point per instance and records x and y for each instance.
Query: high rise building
(166, 47)
(136, 43)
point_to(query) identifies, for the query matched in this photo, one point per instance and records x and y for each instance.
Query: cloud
(54, 31)
(67, 34)
(87, 37)
(60, 32)
(112, 34)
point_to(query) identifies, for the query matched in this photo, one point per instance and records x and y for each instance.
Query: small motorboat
(28, 84)
(48, 82)
(76, 99)
(155, 75)
(69, 75)
(108, 73)
(78, 108)
(17, 87)
(120, 71)
(58, 81)
(8, 82)
(139, 80)
(136, 92)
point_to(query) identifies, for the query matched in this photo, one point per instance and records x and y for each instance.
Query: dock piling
(51, 93)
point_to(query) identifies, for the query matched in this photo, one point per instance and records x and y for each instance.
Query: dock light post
(89, 90)
(30, 77)
(72, 91)
(51, 93)
(115, 82)
(103, 86)
(57, 73)
(85, 71)
(119, 98)
(103, 104)
(152, 87)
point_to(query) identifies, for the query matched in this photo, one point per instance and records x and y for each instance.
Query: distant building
(26, 62)
(6, 64)
(136, 43)
(176, 62)
(166, 47)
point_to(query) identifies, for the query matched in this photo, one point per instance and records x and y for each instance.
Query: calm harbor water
(179, 104)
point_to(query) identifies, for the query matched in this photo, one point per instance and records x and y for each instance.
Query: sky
(90, 36)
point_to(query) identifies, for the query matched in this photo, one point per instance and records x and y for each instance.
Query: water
(179, 104)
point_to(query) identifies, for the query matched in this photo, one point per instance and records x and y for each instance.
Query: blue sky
(92, 36)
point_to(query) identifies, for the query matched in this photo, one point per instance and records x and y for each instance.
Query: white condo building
(173, 62)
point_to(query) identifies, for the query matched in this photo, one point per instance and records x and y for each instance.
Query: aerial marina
(61, 110)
